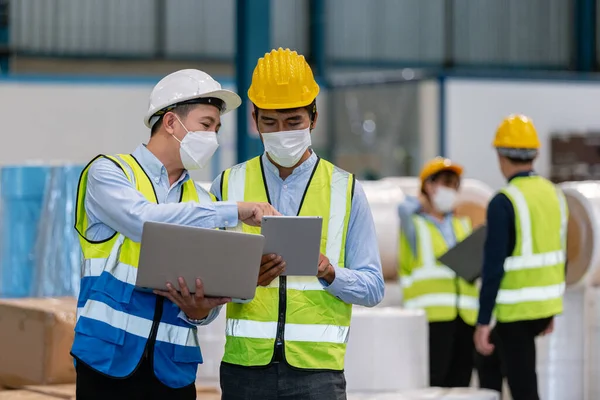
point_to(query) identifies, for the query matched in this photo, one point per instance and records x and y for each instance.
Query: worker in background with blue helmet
(523, 278)
(429, 228)
(289, 342)
(131, 344)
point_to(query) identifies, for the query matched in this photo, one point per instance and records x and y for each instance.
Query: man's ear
(169, 121)
(313, 123)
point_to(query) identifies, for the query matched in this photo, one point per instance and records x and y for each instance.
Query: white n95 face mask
(197, 148)
(444, 199)
(286, 148)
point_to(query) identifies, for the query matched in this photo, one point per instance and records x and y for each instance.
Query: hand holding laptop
(253, 213)
(195, 306)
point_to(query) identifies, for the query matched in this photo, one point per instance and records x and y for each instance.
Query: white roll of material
(384, 199)
(211, 338)
(387, 350)
(561, 357)
(583, 237)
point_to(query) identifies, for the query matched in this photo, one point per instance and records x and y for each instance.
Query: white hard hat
(185, 85)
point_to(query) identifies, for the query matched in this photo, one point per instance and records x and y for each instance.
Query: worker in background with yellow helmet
(290, 340)
(428, 229)
(523, 276)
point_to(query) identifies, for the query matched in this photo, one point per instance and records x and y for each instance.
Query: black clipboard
(466, 258)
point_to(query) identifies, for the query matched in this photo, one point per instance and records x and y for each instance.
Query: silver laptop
(228, 263)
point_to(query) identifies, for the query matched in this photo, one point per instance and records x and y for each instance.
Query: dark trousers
(142, 385)
(280, 382)
(451, 353)
(514, 358)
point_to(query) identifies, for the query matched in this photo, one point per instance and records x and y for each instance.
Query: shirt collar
(307, 165)
(522, 174)
(152, 165)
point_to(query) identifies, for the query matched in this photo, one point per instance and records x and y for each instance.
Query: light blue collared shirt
(411, 206)
(113, 204)
(361, 281)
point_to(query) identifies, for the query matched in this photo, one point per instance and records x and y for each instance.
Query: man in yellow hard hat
(428, 229)
(290, 340)
(523, 276)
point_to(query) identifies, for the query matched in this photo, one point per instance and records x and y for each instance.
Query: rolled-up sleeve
(361, 281)
(112, 200)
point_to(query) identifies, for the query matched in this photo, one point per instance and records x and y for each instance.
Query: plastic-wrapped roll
(471, 394)
(387, 350)
(384, 198)
(23, 189)
(473, 196)
(583, 240)
(433, 393)
(592, 333)
(560, 355)
(57, 251)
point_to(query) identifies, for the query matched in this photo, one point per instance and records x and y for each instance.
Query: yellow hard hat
(282, 79)
(516, 132)
(439, 164)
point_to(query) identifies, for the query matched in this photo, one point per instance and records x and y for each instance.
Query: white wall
(474, 108)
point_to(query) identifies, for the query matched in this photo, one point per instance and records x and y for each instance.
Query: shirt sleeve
(361, 281)
(212, 315)
(113, 201)
(499, 244)
(406, 210)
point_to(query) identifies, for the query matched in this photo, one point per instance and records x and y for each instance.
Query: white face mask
(286, 148)
(444, 199)
(197, 148)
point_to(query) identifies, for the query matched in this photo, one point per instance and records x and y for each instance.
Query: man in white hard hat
(131, 344)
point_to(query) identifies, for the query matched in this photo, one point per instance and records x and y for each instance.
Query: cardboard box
(207, 392)
(35, 340)
(58, 391)
(24, 395)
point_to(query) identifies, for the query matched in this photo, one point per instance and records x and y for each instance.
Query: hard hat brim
(457, 169)
(231, 100)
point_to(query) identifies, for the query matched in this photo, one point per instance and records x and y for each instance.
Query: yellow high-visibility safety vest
(114, 321)
(427, 284)
(534, 277)
(312, 323)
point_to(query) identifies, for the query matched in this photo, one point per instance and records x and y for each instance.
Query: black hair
(520, 161)
(184, 108)
(311, 109)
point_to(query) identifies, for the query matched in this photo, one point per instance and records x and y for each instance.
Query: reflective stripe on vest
(433, 286)
(110, 312)
(316, 323)
(533, 282)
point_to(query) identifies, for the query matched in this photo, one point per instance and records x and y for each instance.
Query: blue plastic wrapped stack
(22, 191)
(57, 269)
